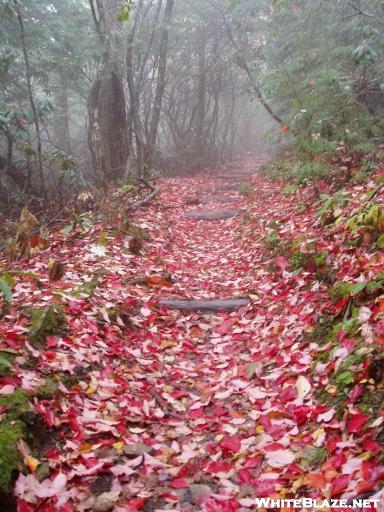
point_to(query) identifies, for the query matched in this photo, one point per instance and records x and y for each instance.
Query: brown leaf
(25, 225)
(56, 270)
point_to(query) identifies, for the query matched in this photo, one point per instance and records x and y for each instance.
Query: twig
(154, 192)
(364, 13)
(160, 401)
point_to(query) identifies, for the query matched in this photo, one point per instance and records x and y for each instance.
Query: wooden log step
(212, 305)
(216, 215)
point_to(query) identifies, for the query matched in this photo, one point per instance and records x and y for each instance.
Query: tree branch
(365, 13)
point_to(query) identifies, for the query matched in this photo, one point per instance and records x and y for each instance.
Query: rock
(205, 305)
(134, 450)
(227, 186)
(192, 201)
(199, 492)
(216, 199)
(106, 501)
(102, 484)
(235, 176)
(216, 215)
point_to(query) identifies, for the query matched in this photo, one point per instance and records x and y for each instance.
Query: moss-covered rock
(48, 321)
(12, 429)
(9, 455)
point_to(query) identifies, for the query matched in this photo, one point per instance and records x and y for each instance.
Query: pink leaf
(279, 458)
(8, 389)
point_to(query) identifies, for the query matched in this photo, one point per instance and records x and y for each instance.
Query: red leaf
(356, 422)
(339, 485)
(22, 506)
(232, 444)
(179, 483)
(219, 467)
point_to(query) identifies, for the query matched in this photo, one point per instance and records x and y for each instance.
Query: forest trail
(155, 409)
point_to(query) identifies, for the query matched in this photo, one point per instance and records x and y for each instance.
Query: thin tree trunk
(160, 80)
(200, 114)
(134, 96)
(60, 120)
(259, 95)
(32, 101)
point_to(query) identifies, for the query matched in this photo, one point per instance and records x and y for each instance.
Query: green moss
(246, 189)
(352, 360)
(87, 289)
(5, 363)
(323, 331)
(9, 455)
(12, 429)
(272, 240)
(372, 401)
(299, 259)
(48, 389)
(317, 457)
(17, 403)
(46, 322)
(336, 401)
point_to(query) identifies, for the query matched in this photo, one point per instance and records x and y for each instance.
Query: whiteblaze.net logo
(309, 503)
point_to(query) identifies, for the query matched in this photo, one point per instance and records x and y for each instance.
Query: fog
(93, 92)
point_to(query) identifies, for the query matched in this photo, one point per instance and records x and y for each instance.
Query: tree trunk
(160, 88)
(201, 92)
(32, 101)
(108, 128)
(134, 97)
(60, 120)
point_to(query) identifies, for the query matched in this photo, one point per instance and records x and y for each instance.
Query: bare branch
(365, 13)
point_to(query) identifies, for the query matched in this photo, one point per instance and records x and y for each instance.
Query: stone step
(215, 215)
(217, 199)
(236, 177)
(212, 305)
(227, 186)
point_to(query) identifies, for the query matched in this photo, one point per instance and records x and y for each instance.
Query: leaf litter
(156, 409)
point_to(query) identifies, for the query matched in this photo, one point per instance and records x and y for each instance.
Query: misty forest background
(94, 92)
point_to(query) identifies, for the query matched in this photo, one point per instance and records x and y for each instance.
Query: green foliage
(125, 11)
(369, 219)
(345, 378)
(246, 189)
(380, 242)
(290, 189)
(81, 221)
(5, 291)
(342, 289)
(281, 169)
(317, 457)
(272, 240)
(330, 205)
(87, 289)
(325, 71)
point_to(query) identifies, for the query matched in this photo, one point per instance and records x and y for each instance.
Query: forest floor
(120, 403)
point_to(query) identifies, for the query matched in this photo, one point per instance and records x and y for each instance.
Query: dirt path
(158, 409)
